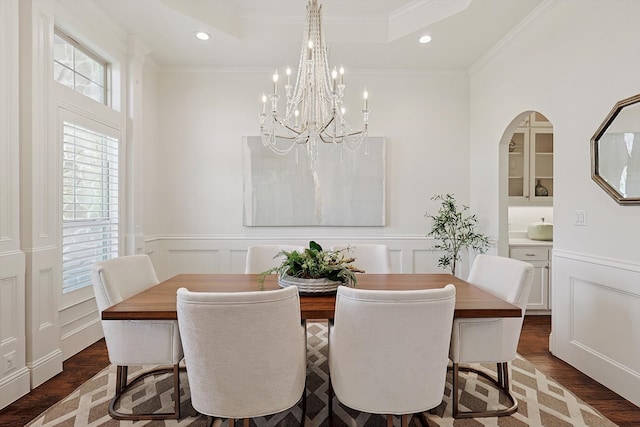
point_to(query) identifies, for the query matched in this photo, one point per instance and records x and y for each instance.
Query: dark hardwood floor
(534, 346)
(76, 370)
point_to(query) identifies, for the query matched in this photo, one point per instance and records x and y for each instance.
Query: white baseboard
(45, 368)
(14, 387)
(81, 338)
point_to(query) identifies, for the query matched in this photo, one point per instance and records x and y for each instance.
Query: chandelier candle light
(314, 109)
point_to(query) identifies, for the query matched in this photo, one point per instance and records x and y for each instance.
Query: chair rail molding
(174, 254)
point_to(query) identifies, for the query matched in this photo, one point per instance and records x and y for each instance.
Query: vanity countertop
(523, 241)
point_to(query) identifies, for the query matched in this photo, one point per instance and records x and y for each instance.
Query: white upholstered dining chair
(263, 257)
(388, 349)
(491, 340)
(372, 258)
(245, 352)
(135, 342)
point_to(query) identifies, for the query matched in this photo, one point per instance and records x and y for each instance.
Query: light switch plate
(580, 218)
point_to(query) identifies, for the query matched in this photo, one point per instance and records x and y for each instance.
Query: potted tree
(455, 230)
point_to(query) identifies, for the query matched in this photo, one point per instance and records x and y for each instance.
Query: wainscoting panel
(10, 316)
(45, 312)
(593, 302)
(42, 302)
(193, 261)
(238, 259)
(425, 261)
(596, 309)
(79, 323)
(14, 376)
(9, 124)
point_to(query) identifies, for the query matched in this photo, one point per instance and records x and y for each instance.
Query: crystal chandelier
(314, 110)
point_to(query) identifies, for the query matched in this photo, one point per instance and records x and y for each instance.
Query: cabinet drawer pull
(530, 254)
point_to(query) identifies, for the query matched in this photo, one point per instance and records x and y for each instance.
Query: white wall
(521, 216)
(203, 116)
(572, 63)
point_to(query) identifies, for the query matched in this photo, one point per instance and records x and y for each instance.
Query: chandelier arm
(331, 139)
(269, 141)
(284, 125)
(326, 125)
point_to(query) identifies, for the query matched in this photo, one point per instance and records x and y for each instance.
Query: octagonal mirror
(615, 152)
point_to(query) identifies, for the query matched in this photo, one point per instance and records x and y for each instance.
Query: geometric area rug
(542, 401)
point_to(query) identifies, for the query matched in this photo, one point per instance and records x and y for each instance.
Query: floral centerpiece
(315, 265)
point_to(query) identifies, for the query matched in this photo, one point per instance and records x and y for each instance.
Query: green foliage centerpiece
(455, 231)
(314, 267)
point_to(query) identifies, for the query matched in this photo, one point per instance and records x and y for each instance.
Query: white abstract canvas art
(342, 189)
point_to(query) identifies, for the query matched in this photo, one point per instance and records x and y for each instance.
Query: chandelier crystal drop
(314, 110)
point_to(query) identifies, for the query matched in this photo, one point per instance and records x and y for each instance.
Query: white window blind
(89, 203)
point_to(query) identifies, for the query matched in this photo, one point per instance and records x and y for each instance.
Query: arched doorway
(526, 197)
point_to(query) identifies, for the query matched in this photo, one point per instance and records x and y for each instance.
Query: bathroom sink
(540, 230)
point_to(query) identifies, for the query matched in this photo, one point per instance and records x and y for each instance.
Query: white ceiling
(361, 34)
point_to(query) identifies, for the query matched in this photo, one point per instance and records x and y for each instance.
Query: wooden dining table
(159, 301)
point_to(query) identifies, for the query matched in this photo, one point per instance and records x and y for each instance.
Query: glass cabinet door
(531, 162)
(541, 142)
(519, 164)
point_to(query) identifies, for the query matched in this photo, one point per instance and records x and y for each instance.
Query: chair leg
(122, 372)
(423, 419)
(176, 390)
(330, 404)
(502, 383)
(404, 420)
(330, 387)
(454, 391)
(122, 387)
(303, 418)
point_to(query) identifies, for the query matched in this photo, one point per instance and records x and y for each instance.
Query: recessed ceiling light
(425, 39)
(201, 35)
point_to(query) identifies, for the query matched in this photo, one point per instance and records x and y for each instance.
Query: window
(78, 68)
(89, 202)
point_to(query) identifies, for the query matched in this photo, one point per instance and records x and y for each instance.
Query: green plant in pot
(315, 263)
(455, 230)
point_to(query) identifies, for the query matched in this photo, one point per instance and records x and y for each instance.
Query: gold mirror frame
(596, 141)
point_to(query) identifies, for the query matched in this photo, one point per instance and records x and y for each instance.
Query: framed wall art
(337, 189)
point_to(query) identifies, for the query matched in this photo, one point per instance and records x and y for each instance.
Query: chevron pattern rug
(543, 402)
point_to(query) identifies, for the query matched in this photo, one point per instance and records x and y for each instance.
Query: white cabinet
(539, 257)
(531, 162)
